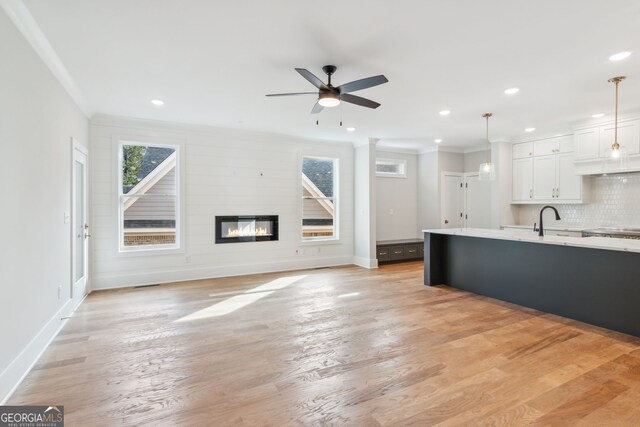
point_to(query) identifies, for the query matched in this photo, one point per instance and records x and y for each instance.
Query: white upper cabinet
(548, 174)
(522, 180)
(565, 144)
(587, 144)
(544, 177)
(523, 150)
(591, 145)
(568, 184)
(628, 137)
(544, 147)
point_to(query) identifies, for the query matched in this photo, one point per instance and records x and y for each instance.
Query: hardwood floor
(339, 346)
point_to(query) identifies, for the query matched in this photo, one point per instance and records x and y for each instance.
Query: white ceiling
(213, 62)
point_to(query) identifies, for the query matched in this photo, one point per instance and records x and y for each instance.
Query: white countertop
(556, 228)
(625, 245)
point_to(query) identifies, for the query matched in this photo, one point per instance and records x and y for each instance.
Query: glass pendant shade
(616, 158)
(487, 172)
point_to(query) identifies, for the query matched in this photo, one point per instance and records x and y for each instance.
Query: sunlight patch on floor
(352, 294)
(237, 302)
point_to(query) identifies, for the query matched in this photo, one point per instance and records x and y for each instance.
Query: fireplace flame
(248, 232)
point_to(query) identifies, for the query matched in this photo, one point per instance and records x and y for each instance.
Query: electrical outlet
(67, 217)
(391, 212)
(187, 259)
(59, 291)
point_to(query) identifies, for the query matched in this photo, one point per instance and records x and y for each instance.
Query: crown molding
(385, 149)
(27, 25)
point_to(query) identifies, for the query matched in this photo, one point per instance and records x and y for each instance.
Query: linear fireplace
(234, 229)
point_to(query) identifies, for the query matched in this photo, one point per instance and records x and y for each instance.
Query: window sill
(149, 252)
(320, 242)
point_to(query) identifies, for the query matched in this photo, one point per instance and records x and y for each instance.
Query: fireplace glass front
(234, 229)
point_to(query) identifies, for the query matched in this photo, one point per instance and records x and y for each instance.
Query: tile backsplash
(614, 202)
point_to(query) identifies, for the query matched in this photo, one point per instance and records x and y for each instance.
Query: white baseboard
(126, 280)
(365, 262)
(18, 369)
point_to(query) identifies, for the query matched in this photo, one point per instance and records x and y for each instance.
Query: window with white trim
(394, 168)
(319, 198)
(148, 196)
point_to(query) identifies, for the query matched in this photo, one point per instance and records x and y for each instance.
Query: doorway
(465, 201)
(79, 222)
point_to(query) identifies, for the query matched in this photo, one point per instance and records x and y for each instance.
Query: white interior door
(79, 223)
(451, 201)
(477, 202)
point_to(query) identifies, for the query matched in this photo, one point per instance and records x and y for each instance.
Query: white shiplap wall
(226, 172)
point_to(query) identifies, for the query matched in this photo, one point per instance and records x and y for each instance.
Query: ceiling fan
(330, 96)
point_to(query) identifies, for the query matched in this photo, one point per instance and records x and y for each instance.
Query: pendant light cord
(616, 81)
(615, 131)
(486, 151)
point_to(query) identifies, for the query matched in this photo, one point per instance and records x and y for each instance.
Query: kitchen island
(594, 280)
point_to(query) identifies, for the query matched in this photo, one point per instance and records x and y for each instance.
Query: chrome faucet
(541, 230)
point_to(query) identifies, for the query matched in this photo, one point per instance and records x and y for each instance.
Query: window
(148, 196)
(391, 168)
(319, 190)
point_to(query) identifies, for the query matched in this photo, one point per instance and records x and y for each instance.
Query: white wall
(365, 205)
(226, 172)
(474, 159)
(397, 201)
(37, 121)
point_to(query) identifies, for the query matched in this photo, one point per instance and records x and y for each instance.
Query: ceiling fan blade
(362, 84)
(317, 108)
(292, 94)
(364, 102)
(312, 78)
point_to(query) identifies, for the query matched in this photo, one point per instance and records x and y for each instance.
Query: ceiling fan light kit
(331, 96)
(328, 99)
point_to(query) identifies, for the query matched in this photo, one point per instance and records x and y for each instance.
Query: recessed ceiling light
(619, 56)
(445, 112)
(351, 129)
(529, 129)
(157, 102)
(597, 115)
(437, 141)
(512, 91)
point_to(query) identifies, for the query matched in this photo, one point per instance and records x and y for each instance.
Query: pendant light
(616, 155)
(487, 169)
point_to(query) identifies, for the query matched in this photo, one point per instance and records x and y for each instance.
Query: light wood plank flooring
(340, 346)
